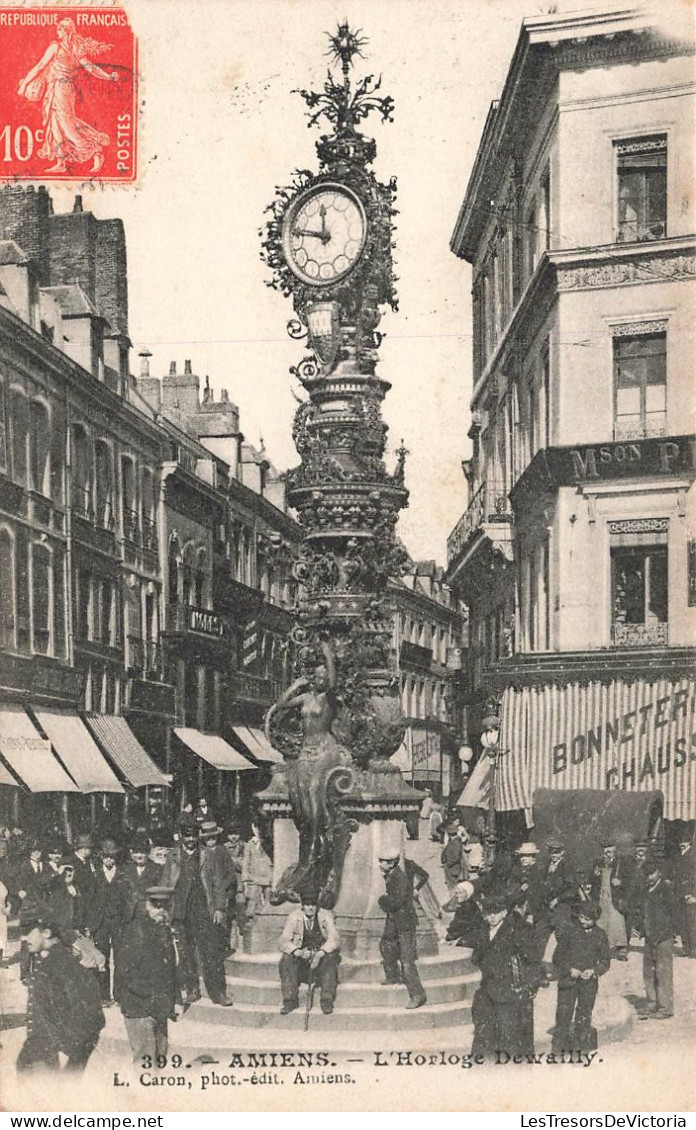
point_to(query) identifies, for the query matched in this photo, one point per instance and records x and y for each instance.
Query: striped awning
(121, 745)
(633, 736)
(258, 745)
(477, 790)
(78, 751)
(29, 755)
(213, 749)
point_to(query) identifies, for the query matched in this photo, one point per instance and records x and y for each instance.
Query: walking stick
(310, 1001)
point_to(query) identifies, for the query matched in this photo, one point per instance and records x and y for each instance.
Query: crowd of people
(532, 917)
(142, 923)
(138, 923)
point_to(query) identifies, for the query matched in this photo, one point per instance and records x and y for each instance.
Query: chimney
(77, 206)
(187, 367)
(172, 368)
(224, 396)
(144, 356)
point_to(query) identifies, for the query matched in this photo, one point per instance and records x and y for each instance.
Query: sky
(220, 128)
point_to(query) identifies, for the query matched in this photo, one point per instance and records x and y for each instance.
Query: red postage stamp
(68, 94)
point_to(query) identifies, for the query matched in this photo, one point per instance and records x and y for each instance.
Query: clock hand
(306, 231)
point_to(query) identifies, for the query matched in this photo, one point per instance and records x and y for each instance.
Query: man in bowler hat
(581, 957)
(398, 943)
(310, 947)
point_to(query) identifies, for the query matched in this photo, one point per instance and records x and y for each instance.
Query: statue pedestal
(378, 804)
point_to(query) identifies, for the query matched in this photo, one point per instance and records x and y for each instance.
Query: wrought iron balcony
(254, 688)
(489, 506)
(639, 635)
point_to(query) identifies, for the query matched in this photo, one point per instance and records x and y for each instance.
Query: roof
(72, 300)
(11, 254)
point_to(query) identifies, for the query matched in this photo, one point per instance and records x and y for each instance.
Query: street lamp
(490, 737)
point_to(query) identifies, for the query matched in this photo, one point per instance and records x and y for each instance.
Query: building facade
(429, 647)
(145, 550)
(575, 555)
(79, 467)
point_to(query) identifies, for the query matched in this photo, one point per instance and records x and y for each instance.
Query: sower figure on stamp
(581, 957)
(310, 946)
(145, 985)
(64, 1013)
(503, 1006)
(398, 944)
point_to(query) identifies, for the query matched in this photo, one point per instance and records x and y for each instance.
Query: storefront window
(639, 594)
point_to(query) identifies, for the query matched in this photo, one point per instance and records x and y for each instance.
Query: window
(82, 473)
(642, 189)
(130, 514)
(640, 386)
(7, 591)
(104, 612)
(639, 595)
(19, 426)
(40, 447)
(41, 598)
(83, 605)
(173, 572)
(104, 486)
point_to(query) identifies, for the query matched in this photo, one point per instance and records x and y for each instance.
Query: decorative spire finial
(345, 44)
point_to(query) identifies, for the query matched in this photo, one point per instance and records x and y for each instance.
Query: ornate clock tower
(337, 800)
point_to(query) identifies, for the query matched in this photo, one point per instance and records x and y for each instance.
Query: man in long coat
(201, 874)
(398, 943)
(145, 984)
(658, 953)
(106, 912)
(684, 885)
(63, 1009)
(503, 1006)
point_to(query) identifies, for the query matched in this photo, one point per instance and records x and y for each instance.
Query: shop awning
(402, 758)
(618, 736)
(78, 751)
(477, 790)
(257, 743)
(30, 755)
(6, 777)
(213, 749)
(121, 745)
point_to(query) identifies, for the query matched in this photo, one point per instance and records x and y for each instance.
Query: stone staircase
(362, 1003)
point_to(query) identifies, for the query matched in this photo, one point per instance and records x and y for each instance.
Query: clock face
(324, 234)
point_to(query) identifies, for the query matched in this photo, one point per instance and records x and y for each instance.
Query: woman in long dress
(68, 140)
(607, 892)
